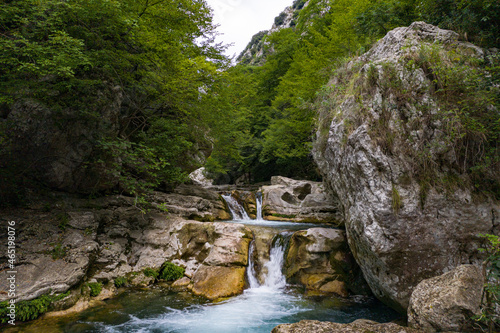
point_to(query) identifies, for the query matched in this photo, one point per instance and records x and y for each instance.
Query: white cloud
(239, 20)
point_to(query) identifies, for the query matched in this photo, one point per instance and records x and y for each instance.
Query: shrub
(120, 281)
(489, 316)
(279, 20)
(151, 272)
(29, 310)
(95, 288)
(171, 272)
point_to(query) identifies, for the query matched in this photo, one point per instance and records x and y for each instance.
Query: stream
(259, 309)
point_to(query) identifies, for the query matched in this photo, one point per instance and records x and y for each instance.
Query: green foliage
(170, 272)
(280, 19)
(489, 315)
(95, 288)
(270, 129)
(468, 91)
(120, 281)
(151, 272)
(298, 4)
(58, 251)
(153, 62)
(476, 20)
(30, 310)
(63, 221)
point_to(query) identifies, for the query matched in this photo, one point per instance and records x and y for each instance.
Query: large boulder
(447, 303)
(401, 228)
(360, 325)
(319, 259)
(215, 282)
(299, 201)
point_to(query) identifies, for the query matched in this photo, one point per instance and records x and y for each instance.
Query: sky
(239, 20)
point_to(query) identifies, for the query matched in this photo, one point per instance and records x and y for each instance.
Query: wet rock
(181, 284)
(215, 282)
(400, 232)
(447, 303)
(319, 259)
(361, 325)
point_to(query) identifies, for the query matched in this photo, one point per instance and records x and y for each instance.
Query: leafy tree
(75, 58)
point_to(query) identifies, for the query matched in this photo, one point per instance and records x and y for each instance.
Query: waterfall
(237, 210)
(274, 279)
(251, 274)
(258, 200)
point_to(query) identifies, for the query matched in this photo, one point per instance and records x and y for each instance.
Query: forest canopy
(139, 76)
(144, 87)
(274, 119)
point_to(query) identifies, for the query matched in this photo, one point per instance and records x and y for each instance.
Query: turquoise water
(259, 309)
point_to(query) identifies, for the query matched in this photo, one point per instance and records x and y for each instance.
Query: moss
(95, 288)
(120, 281)
(29, 310)
(170, 272)
(151, 272)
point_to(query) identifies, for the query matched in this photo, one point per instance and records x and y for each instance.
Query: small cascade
(251, 274)
(258, 200)
(274, 278)
(237, 210)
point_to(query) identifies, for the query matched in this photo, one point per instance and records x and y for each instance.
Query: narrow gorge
(341, 174)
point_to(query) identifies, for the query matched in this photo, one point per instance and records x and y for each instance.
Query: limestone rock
(43, 275)
(319, 260)
(298, 200)
(400, 233)
(215, 282)
(181, 284)
(231, 247)
(198, 177)
(82, 220)
(192, 202)
(448, 302)
(361, 325)
(116, 240)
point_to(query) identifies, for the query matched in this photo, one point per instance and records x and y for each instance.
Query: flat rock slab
(361, 325)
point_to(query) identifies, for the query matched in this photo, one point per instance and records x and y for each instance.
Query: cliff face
(406, 220)
(255, 52)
